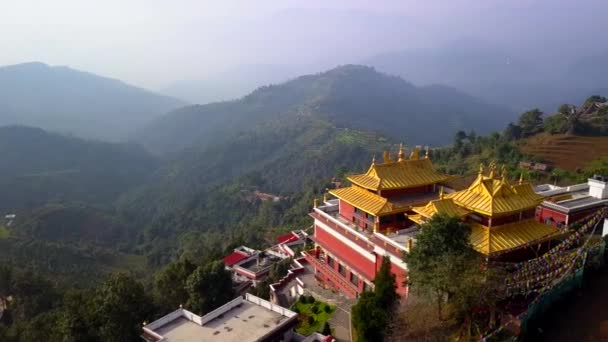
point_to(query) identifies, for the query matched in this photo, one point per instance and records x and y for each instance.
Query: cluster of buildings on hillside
(380, 212)
(380, 215)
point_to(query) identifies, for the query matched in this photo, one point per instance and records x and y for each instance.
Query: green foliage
(444, 267)
(369, 318)
(170, 284)
(531, 122)
(556, 124)
(66, 169)
(312, 318)
(119, 308)
(371, 314)
(209, 287)
(512, 132)
(351, 96)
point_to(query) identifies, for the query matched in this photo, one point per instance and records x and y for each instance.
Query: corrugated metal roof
(399, 175)
(510, 236)
(366, 200)
(443, 206)
(490, 196)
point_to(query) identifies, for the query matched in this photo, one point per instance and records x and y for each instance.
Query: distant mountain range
(351, 96)
(70, 101)
(500, 76)
(493, 73)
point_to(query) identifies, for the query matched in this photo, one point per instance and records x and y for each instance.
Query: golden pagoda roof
(442, 206)
(399, 174)
(367, 201)
(490, 196)
(511, 236)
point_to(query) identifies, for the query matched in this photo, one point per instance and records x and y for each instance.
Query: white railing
(221, 310)
(341, 224)
(166, 319)
(268, 305)
(153, 334)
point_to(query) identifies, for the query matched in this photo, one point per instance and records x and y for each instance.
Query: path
(340, 320)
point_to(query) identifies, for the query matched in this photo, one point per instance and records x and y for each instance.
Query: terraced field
(566, 151)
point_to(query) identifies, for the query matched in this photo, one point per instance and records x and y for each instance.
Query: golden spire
(386, 157)
(481, 169)
(441, 193)
(401, 153)
(504, 174)
(426, 154)
(325, 197)
(521, 178)
(315, 203)
(492, 170)
(374, 159)
(415, 153)
(376, 227)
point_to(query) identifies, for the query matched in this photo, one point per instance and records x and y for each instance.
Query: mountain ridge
(67, 100)
(349, 96)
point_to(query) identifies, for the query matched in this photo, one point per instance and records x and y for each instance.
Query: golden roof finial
(426, 154)
(415, 153)
(492, 170)
(401, 154)
(374, 159)
(504, 173)
(521, 178)
(386, 157)
(441, 195)
(376, 227)
(325, 197)
(315, 203)
(481, 169)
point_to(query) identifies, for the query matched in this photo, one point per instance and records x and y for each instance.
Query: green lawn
(307, 326)
(4, 233)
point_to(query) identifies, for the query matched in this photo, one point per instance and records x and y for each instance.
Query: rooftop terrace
(242, 319)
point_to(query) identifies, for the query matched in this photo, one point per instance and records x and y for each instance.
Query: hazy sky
(152, 43)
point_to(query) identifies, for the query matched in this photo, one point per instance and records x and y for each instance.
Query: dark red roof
(291, 237)
(234, 258)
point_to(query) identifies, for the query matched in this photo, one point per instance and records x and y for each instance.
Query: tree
(369, 318)
(385, 285)
(75, 322)
(441, 253)
(209, 287)
(512, 132)
(119, 308)
(531, 122)
(556, 124)
(371, 315)
(572, 117)
(594, 99)
(170, 283)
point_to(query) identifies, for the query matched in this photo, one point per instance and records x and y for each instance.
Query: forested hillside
(350, 96)
(65, 100)
(39, 167)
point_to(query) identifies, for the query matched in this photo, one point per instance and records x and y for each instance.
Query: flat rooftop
(239, 320)
(264, 262)
(243, 323)
(581, 201)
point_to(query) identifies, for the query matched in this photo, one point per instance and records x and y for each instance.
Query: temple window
(342, 270)
(354, 279)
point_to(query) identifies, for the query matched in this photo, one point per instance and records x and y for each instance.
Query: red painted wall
(346, 253)
(544, 213)
(400, 276)
(346, 210)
